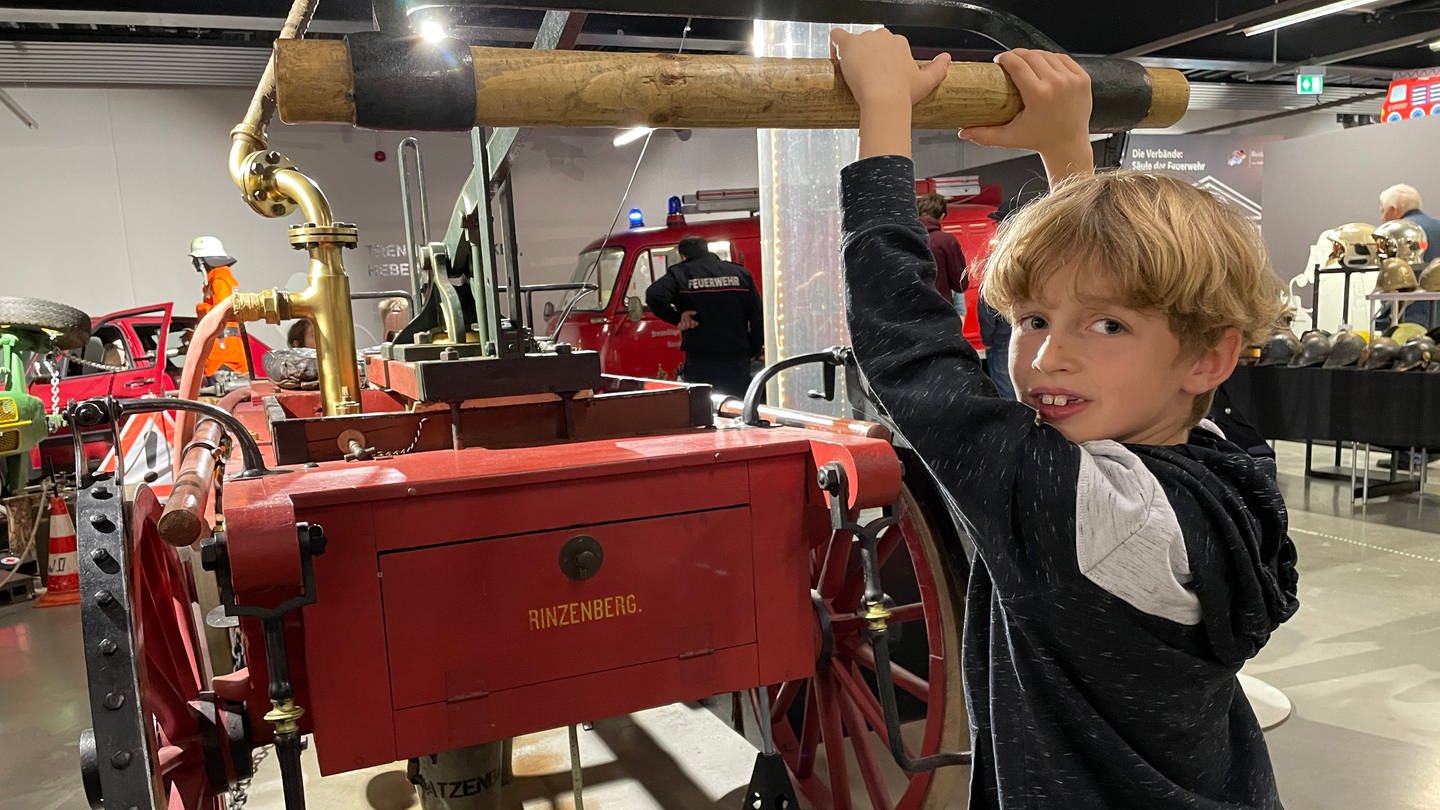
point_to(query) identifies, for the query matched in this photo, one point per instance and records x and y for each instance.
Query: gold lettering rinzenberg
(591, 610)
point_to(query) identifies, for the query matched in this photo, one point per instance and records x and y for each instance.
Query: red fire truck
(614, 321)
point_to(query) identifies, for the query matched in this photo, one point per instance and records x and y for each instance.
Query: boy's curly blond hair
(1161, 244)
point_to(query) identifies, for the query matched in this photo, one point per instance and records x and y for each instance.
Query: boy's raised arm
(904, 334)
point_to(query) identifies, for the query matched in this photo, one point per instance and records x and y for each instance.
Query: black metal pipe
(287, 753)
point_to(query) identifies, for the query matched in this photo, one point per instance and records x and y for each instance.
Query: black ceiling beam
(1418, 38)
(998, 26)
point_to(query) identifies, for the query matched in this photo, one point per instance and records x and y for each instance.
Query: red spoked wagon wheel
(160, 739)
(830, 728)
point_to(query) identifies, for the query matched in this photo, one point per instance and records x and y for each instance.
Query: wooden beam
(529, 88)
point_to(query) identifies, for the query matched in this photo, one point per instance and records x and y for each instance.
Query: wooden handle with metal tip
(536, 88)
(183, 521)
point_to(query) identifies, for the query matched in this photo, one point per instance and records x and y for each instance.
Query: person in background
(300, 335)
(717, 307)
(208, 256)
(1402, 201)
(995, 335)
(950, 278)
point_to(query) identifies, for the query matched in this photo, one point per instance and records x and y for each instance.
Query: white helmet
(205, 246)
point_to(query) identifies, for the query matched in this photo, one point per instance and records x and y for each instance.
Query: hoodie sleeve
(1043, 512)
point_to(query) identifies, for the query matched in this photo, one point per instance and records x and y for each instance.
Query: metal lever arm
(832, 480)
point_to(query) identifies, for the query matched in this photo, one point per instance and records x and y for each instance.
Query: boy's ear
(1215, 364)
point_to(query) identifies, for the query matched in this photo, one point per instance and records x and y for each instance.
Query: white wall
(100, 203)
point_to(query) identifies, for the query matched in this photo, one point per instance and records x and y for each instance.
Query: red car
(130, 354)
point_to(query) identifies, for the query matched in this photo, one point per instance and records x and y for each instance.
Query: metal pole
(414, 254)
(577, 786)
(518, 315)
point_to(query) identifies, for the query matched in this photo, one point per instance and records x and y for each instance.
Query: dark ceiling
(1361, 47)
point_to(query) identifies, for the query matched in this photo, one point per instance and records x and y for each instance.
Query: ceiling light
(432, 31)
(1304, 16)
(631, 135)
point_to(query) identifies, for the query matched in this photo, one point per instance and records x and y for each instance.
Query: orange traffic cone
(64, 565)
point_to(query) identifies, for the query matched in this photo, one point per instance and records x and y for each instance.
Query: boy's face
(1098, 370)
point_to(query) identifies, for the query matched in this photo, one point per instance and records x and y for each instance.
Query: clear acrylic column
(800, 228)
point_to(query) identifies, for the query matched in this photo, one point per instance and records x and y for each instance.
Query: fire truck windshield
(603, 277)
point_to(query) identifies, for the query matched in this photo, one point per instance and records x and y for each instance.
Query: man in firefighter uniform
(717, 307)
(208, 256)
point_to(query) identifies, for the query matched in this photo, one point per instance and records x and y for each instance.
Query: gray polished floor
(1361, 663)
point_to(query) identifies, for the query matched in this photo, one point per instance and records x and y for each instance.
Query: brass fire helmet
(1279, 349)
(1350, 349)
(1383, 352)
(1401, 239)
(1314, 349)
(1430, 277)
(1416, 354)
(1353, 245)
(1396, 275)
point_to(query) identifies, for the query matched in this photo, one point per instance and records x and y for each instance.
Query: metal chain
(418, 430)
(54, 387)
(239, 793)
(91, 363)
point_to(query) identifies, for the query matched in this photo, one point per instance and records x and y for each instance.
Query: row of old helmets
(1406, 347)
(1395, 248)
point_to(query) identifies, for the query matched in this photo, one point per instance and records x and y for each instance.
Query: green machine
(28, 325)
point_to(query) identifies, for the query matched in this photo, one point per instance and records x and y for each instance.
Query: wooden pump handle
(316, 82)
(183, 521)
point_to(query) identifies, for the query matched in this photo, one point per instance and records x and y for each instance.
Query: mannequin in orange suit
(209, 257)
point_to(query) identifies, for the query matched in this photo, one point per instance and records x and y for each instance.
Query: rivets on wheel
(99, 555)
(120, 760)
(114, 700)
(102, 523)
(108, 646)
(104, 598)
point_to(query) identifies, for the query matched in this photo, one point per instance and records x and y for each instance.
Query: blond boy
(1130, 559)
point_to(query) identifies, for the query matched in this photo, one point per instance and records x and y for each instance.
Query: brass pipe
(306, 194)
(325, 302)
(249, 135)
(274, 188)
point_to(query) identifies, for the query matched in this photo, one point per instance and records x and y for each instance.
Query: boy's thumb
(936, 69)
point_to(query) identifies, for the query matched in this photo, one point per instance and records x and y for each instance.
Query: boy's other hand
(1055, 120)
(879, 68)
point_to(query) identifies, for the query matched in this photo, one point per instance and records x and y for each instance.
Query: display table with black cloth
(1393, 409)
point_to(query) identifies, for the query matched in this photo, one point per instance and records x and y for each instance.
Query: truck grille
(9, 411)
(9, 441)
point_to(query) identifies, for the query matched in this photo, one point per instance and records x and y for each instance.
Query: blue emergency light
(637, 219)
(674, 213)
